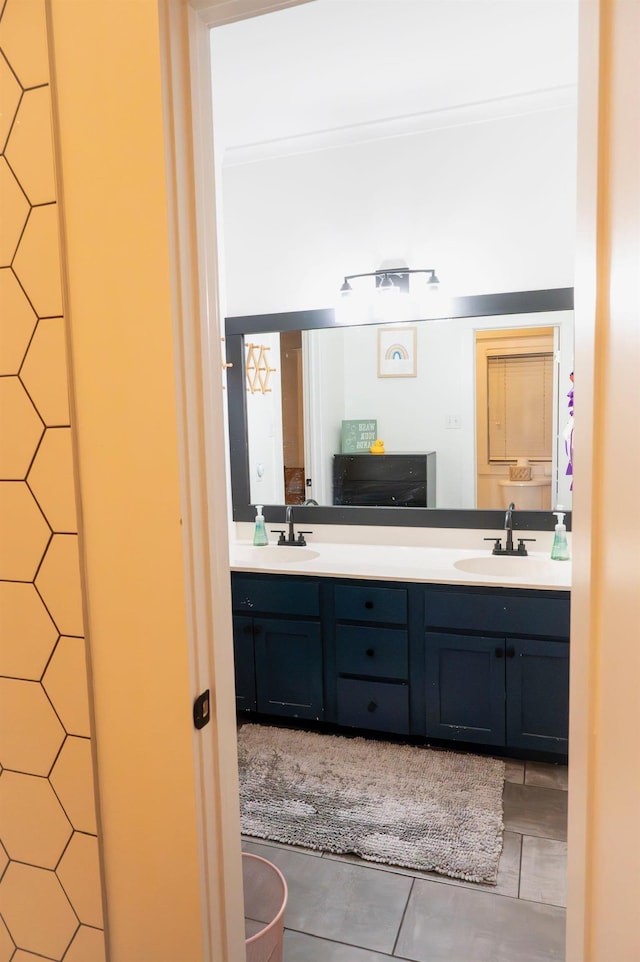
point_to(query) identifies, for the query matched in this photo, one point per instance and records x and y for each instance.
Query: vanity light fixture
(393, 296)
(393, 279)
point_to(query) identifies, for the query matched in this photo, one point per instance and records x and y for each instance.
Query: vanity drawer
(372, 652)
(278, 595)
(499, 612)
(378, 705)
(369, 603)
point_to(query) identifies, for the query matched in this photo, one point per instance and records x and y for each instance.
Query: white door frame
(186, 66)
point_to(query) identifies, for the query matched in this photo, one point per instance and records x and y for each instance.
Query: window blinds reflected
(520, 403)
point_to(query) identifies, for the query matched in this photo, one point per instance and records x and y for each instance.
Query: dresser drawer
(384, 467)
(402, 494)
(277, 595)
(370, 603)
(377, 705)
(498, 613)
(372, 652)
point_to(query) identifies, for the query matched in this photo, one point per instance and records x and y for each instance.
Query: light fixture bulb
(392, 297)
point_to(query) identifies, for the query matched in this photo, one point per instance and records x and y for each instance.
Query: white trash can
(265, 899)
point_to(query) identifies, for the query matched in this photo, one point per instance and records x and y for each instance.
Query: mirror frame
(482, 305)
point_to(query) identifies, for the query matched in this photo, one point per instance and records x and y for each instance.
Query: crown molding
(555, 98)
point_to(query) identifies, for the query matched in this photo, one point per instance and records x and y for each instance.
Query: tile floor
(342, 909)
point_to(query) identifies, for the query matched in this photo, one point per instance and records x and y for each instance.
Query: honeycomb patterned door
(50, 890)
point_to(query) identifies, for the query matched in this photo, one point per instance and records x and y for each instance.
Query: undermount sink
(278, 554)
(504, 566)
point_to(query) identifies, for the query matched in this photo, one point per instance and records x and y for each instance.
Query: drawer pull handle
(371, 706)
(368, 604)
(511, 652)
(499, 652)
(370, 652)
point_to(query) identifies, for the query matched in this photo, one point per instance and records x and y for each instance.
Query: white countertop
(399, 563)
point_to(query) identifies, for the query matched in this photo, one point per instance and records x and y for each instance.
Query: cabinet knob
(257, 630)
(368, 604)
(247, 630)
(499, 652)
(370, 652)
(511, 652)
(371, 706)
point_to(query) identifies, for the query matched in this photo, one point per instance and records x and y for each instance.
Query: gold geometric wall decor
(258, 369)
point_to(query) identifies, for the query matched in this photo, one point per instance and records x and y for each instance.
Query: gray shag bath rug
(404, 805)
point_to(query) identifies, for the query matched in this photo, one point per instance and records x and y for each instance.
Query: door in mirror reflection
(516, 418)
(292, 416)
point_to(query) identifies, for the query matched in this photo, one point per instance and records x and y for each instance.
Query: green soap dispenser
(560, 548)
(260, 532)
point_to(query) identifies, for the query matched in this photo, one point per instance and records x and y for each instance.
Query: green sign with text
(358, 436)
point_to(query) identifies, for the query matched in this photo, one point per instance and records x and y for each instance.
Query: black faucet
(508, 527)
(521, 551)
(291, 534)
(288, 517)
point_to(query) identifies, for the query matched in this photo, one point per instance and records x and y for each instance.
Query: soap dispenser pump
(260, 532)
(560, 549)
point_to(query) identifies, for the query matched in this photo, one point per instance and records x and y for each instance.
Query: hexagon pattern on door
(50, 883)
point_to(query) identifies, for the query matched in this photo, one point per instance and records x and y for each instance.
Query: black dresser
(385, 480)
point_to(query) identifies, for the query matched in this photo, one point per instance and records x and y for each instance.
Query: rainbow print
(396, 352)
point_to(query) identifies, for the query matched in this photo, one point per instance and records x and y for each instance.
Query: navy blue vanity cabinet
(472, 665)
(371, 656)
(278, 645)
(497, 667)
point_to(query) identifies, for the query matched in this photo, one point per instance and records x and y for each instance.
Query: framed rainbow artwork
(397, 351)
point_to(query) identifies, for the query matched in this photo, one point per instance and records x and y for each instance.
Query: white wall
(490, 205)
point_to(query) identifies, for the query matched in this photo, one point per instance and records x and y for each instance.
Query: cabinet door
(465, 694)
(538, 694)
(288, 667)
(244, 663)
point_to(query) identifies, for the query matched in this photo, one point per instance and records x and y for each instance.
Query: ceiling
(334, 64)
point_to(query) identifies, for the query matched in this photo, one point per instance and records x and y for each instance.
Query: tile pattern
(50, 879)
(342, 909)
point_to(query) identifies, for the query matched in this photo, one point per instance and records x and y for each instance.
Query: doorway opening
(294, 430)
(292, 417)
(516, 418)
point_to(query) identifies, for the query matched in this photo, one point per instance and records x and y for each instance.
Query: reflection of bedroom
(336, 375)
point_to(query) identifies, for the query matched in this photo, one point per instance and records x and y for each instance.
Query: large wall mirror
(474, 409)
